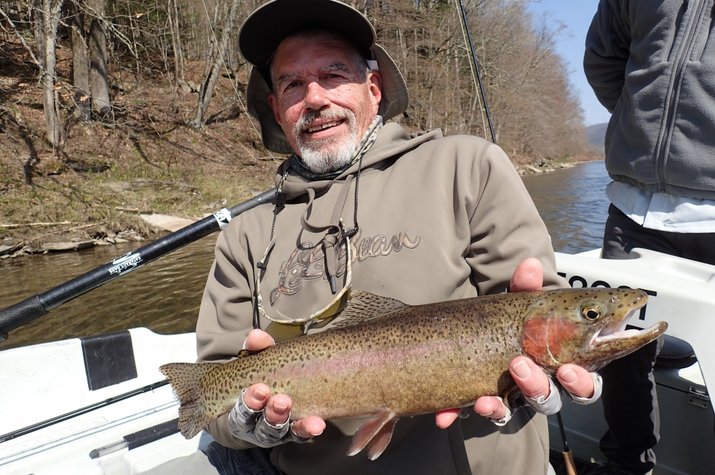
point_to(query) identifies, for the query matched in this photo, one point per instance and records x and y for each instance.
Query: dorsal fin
(365, 306)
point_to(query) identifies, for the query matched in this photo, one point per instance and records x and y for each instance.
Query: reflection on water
(165, 294)
(573, 204)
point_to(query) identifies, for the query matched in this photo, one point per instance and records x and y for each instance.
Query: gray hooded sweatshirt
(652, 65)
(438, 218)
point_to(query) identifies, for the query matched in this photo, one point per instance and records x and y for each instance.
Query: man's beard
(325, 156)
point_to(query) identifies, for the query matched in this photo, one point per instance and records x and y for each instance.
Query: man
(651, 65)
(419, 218)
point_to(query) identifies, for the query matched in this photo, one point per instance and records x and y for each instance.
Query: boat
(99, 405)
(682, 293)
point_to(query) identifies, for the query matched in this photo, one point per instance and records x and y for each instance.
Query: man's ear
(273, 102)
(375, 88)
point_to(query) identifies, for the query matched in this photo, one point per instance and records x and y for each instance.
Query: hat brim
(394, 99)
(268, 25)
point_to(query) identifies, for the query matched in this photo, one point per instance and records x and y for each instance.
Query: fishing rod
(569, 463)
(39, 305)
(474, 65)
(81, 411)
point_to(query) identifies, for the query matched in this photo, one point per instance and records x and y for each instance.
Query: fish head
(584, 326)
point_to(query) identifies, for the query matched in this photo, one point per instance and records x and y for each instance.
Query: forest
(113, 107)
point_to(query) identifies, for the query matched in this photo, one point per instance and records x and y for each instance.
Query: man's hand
(530, 378)
(261, 417)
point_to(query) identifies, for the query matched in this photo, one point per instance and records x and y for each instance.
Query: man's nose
(316, 96)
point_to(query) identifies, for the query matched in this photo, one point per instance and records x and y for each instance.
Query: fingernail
(280, 405)
(260, 393)
(567, 375)
(521, 369)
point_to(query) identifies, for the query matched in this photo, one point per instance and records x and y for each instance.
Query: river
(165, 294)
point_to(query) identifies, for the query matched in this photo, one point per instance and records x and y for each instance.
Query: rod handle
(20, 314)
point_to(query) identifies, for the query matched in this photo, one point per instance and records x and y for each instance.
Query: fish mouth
(619, 333)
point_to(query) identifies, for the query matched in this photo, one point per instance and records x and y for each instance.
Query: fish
(417, 359)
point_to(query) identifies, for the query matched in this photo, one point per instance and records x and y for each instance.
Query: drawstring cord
(335, 234)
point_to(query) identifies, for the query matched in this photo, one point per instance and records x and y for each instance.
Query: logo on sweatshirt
(307, 263)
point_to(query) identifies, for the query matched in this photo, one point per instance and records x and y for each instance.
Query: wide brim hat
(267, 26)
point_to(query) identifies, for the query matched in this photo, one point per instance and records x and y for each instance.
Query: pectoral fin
(374, 434)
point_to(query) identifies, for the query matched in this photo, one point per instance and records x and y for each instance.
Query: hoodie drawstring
(333, 232)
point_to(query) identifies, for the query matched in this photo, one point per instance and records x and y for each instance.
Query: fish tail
(185, 380)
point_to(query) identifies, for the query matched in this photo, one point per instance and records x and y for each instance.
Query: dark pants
(240, 462)
(629, 397)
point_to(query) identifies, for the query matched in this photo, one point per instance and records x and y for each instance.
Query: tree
(214, 62)
(89, 61)
(47, 19)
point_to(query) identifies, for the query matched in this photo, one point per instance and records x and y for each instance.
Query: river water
(165, 294)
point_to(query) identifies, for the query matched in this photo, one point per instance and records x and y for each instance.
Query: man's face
(323, 99)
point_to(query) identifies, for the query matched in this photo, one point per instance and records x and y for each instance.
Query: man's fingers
(530, 378)
(576, 380)
(529, 275)
(258, 340)
(491, 407)
(278, 409)
(309, 427)
(256, 396)
(539, 389)
(446, 417)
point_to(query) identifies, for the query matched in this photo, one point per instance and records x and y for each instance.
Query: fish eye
(591, 312)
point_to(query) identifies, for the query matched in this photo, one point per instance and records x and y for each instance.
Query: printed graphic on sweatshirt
(308, 263)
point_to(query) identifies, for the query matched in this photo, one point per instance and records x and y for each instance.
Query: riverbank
(65, 228)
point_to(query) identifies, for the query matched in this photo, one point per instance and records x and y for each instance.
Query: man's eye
(335, 77)
(290, 86)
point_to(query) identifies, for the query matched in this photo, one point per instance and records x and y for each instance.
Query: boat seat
(675, 353)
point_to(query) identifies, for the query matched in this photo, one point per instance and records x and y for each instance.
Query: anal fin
(379, 443)
(374, 434)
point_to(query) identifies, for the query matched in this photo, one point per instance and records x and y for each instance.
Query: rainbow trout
(386, 359)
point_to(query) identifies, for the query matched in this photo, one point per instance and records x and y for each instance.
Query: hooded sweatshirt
(652, 65)
(434, 218)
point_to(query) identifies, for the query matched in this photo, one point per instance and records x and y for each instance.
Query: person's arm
(607, 51)
(225, 317)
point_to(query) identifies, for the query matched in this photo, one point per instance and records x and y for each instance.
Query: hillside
(145, 154)
(596, 135)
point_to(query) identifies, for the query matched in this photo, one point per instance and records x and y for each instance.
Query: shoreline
(161, 224)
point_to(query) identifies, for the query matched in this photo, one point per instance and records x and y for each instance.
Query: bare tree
(214, 63)
(176, 44)
(47, 21)
(98, 76)
(89, 59)
(80, 64)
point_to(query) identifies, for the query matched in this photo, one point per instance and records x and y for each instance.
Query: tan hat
(269, 24)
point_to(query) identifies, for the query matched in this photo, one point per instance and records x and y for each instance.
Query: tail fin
(185, 379)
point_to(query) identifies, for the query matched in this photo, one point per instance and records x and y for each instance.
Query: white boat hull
(41, 382)
(682, 292)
